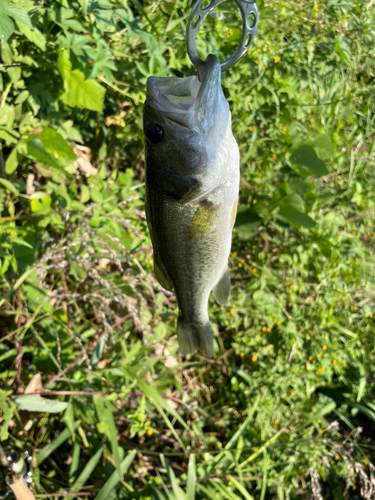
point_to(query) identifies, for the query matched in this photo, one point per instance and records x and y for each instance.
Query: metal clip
(198, 15)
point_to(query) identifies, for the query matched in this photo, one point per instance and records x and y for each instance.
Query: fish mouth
(187, 101)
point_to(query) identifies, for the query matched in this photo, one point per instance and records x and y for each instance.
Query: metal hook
(197, 17)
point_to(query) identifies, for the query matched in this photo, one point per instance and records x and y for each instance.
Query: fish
(192, 178)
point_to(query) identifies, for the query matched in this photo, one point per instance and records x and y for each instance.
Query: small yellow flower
(337, 457)
(231, 33)
(273, 156)
(278, 323)
(242, 354)
(337, 289)
(297, 18)
(369, 233)
(269, 330)
(320, 94)
(234, 254)
(284, 129)
(344, 299)
(320, 430)
(311, 358)
(232, 311)
(251, 129)
(319, 421)
(293, 393)
(371, 316)
(254, 270)
(356, 259)
(324, 348)
(276, 421)
(316, 9)
(256, 62)
(354, 488)
(334, 362)
(264, 329)
(13, 233)
(253, 359)
(345, 365)
(240, 264)
(150, 432)
(277, 59)
(291, 287)
(366, 463)
(258, 49)
(355, 308)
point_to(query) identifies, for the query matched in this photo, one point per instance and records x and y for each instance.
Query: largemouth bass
(192, 183)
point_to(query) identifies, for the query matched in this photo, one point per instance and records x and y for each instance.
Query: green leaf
(17, 13)
(191, 478)
(98, 351)
(247, 222)
(342, 48)
(294, 201)
(56, 146)
(306, 162)
(32, 402)
(33, 35)
(63, 64)
(81, 93)
(20, 241)
(177, 490)
(88, 470)
(115, 477)
(324, 147)
(51, 447)
(35, 148)
(293, 216)
(6, 29)
(8, 408)
(362, 383)
(9, 186)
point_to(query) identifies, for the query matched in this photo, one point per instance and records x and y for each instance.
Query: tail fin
(195, 336)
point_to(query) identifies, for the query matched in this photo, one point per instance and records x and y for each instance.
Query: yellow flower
(371, 316)
(324, 348)
(234, 254)
(311, 358)
(354, 488)
(369, 233)
(13, 233)
(337, 457)
(232, 311)
(297, 18)
(254, 358)
(231, 33)
(278, 323)
(320, 94)
(273, 156)
(251, 129)
(277, 59)
(316, 9)
(320, 430)
(240, 264)
(334, 362)
(366, 463)
(319, 421)
(264, 329)
(345, 365)
(150, 432)
(284, 129)
(343, 298)
(293, 393)
(269, 330)
(276, 421)
(291, 287)
(258, 49)
(254, 270)
(242, 354)
(256, 62)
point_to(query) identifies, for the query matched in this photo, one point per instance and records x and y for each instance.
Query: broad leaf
(306, 162)
(6, 29)
(293, 216)
(33, 402)
(81, 93)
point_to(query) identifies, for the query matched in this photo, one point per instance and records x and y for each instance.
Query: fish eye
(154, 133)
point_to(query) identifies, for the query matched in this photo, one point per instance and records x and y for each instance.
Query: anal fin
(222, 288)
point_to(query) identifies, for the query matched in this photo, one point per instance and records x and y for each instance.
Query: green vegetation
(287, 408)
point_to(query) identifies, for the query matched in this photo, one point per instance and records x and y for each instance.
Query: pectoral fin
(222, 288)
(164, 282)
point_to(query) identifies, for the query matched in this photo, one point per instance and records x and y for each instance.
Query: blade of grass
(51, 447)
(241, 488)
(178, 492)
(191, 478)
(114, 478)
(87, 471)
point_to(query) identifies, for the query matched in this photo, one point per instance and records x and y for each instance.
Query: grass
(286, 409)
